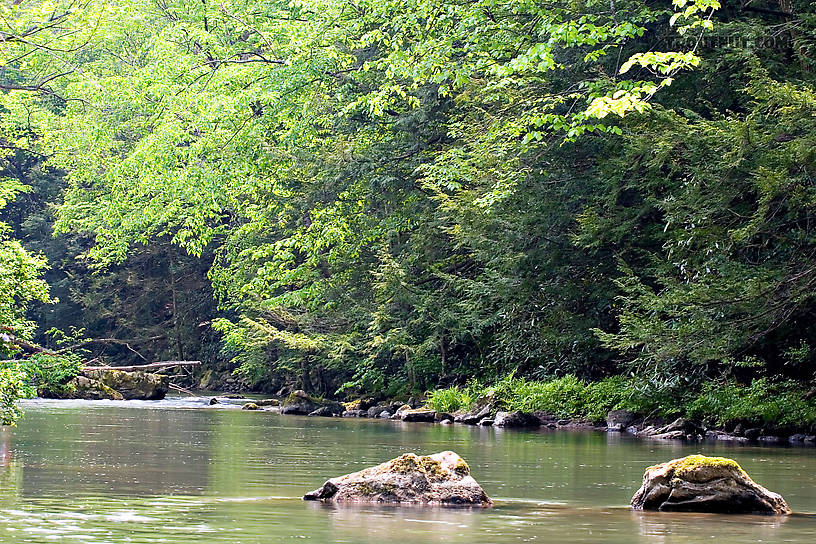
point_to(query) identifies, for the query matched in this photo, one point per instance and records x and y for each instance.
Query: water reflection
(178, 473)
(393, 524)
(668, 527)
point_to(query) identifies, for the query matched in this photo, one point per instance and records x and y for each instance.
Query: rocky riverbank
(486, 412)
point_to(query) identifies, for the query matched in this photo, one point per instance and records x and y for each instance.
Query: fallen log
(150, 366)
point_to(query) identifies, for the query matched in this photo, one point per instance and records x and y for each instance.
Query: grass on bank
(762, 402)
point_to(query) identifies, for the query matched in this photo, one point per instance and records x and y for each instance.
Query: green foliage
(761, 403)
(454, 399)
(395, 196)
(12, 388)
(563, 397)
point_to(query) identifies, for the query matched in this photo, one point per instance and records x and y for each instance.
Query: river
(175, 471)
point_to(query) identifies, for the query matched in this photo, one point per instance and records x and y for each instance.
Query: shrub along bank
(762, 403)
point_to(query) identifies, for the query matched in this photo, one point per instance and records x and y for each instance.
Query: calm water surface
(174, 471)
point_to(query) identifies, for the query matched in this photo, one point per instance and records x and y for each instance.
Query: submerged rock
(705, 484)
(440, 479)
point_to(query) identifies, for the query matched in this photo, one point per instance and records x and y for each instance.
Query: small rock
(797, 438)
(647, 431)
(544, 417)
(618, 420)
(671, 435)
(562, 422)
(516, 419)
(769, 439)
(724, 437)
(359, 404)
(486, 422)
(441, 416)
(398, 409)
(446, 422)
(268, 402)
(482, 408)
(323, 411)
(354, 413)
(752, 434)
(301, 403)
(810, 439)
(250, 406)
(705, 484)
(385, 414)
(739, 430)
(375, 411)
(214, 401)
(427, 416)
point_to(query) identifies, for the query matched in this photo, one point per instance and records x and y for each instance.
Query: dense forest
(380, 197)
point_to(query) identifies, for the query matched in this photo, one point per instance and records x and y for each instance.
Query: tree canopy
(394, 195)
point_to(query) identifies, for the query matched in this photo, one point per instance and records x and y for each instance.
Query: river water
(176, 471)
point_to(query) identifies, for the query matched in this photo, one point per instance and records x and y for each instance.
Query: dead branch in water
(181, 389)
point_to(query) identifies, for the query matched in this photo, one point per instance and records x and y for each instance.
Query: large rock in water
(132, 385)
(705, 484)
(112, 384)
(440, 479)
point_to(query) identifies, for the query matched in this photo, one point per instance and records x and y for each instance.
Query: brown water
(176, 471)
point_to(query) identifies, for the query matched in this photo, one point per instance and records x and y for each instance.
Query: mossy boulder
(132, 385)
(250, 406)
(705, 484)
(359, 404)
(112, 384)
(82, 387)
(440, 479)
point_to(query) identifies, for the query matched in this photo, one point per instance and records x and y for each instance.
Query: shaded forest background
(390, 197)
